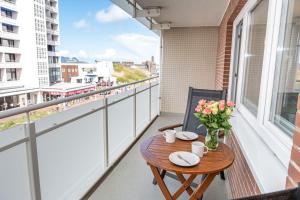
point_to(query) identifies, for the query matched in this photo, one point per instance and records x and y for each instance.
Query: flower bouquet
(214, 115)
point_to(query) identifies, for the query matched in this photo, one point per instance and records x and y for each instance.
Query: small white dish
(184, 159)
(186, 135)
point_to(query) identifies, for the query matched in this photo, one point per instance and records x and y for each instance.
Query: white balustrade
(75, 147)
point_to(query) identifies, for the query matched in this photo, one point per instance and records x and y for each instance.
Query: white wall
(188, 59)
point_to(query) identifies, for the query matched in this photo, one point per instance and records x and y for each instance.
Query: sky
(98, 29)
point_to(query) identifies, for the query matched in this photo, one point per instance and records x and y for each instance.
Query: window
(8, 28)
(42, 68)
(7, 42)
(287, 70)
(254, 56)
(11, 74)
(9, 57)
(54, 75)
(43, 81)
(6, 13)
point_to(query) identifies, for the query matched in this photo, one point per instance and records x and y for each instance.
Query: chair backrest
(289, 194)
(191, 123)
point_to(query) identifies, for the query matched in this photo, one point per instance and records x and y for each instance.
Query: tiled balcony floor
(132, 178)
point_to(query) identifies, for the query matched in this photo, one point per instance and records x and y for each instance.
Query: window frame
(279, 142)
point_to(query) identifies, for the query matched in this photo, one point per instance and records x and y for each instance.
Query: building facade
(68, 71)
(29, 37)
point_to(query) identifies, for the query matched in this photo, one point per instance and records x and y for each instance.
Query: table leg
(203, 186)
(185, 185)
(161, 183)
(183, 181)
(162, 175)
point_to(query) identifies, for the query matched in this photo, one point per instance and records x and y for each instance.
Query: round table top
(156, 152)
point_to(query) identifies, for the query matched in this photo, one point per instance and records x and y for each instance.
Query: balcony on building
(9, 4)
(85, 144)
(9, 28)
(52, 6)
(52, 16)
(8, 14)
(9, 43)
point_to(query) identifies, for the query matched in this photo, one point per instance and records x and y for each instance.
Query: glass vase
(212, 140)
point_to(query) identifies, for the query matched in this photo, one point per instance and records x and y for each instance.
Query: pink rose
(230, 104)
(207, 111)
(222, 106)
(222, 102)
(210, 103)
(198, 109)
(202, 102)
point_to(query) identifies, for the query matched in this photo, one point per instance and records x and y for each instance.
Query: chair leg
(222, 175)
(162, 175)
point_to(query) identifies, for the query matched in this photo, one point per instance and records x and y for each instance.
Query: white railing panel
(142, 111)
(14, 182)
(120, 125)
(12, 135)
(71, 157)
(69, 113)
(154, 101)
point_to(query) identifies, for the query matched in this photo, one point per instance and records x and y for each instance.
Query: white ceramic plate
(184, 159)
(186, 135)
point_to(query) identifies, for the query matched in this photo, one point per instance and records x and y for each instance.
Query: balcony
(53, 42)
(9, 4)
(51, 8)
(103, 127)
(87, 145)
(53, 53)
(52, 19)
(52, 31)
(9, 35)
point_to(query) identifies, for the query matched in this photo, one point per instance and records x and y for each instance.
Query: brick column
(224, 44)
(294, 167)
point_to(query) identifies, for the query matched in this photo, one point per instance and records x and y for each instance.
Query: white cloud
(81, 24)
(108, 53)
(83, 54)
(64, 53)
(142, 46)
(111, 14)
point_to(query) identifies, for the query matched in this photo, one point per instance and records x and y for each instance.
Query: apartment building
(29, 61)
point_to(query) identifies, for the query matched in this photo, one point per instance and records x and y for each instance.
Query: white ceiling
(188, 13)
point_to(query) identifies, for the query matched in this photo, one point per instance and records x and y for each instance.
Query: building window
(11, 74)
(254, 57)
(6, 13)
(54, 75)
(8, 28)
(10, 57)
(7, 42)
(287, 71)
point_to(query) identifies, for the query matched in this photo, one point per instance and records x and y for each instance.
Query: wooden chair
(191, 123)
(289, 194)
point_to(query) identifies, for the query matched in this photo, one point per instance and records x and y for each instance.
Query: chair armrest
(170, 127)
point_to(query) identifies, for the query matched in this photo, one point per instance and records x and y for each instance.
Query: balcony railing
(62, 155)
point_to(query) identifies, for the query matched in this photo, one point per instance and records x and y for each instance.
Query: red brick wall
(294, 167)
(241, 180)
(224, 44)
(68, 71)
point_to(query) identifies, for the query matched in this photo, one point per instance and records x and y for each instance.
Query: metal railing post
(150, 109)
(134, 113)
(32, 160)
(105, 135)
